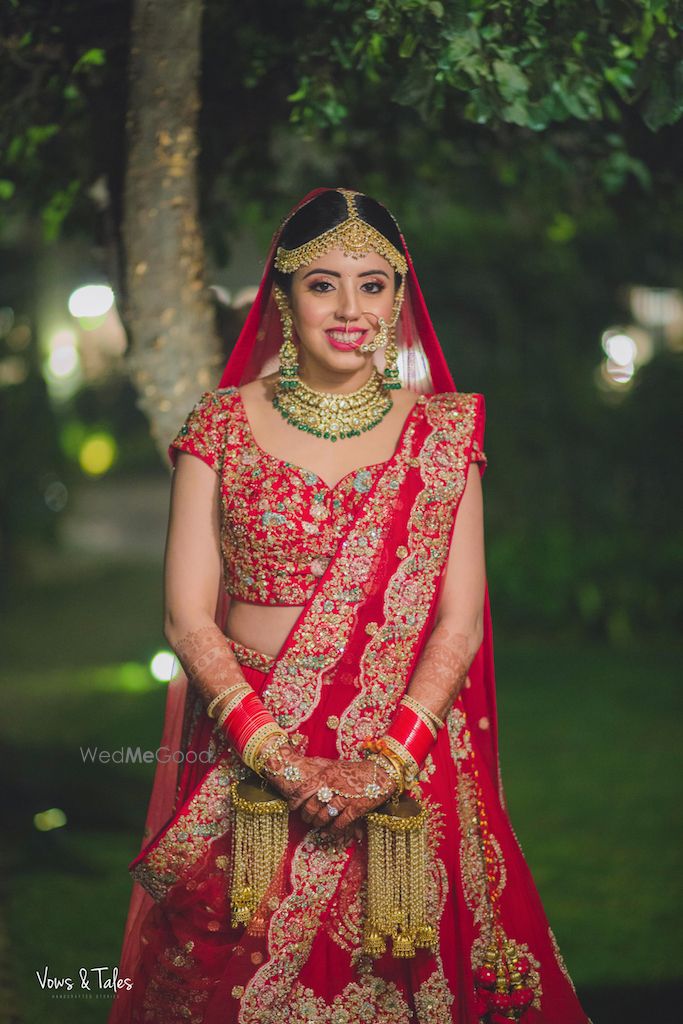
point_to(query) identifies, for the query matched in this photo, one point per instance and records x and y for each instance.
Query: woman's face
(336, 301)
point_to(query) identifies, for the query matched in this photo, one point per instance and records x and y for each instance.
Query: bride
(334, 846)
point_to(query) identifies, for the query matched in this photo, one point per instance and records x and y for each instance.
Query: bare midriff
(264, 628)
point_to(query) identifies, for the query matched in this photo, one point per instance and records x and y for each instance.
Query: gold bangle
(254, 742)
(391, 767)
(221, 696)
(260, 757)
(232, 704)
(411, 768)
(427, 716)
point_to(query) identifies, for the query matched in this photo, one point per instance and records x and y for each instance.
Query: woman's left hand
(349, 777)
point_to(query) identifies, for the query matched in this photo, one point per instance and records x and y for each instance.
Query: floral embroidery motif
(458, 734)
(206, 816)
(434, 999)
(166, 995)
(370, 1001)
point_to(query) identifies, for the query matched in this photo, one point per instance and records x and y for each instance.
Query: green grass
(588, 751)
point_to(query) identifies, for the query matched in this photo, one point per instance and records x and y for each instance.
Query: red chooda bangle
(408, 729)
(244, 720)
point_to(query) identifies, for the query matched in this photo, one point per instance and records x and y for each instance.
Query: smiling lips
(346, 340)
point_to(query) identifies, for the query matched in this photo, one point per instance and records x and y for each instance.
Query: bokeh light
(161, 665)
(45, 821)
(91, 301)
(97, 454)
(621, 348)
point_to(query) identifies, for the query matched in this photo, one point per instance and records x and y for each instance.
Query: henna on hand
(349, 777)
(209, 662)
(442, 669)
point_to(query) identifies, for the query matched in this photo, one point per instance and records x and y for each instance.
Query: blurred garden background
(532, 153)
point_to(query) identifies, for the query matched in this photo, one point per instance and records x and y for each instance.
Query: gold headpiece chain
(353, 236)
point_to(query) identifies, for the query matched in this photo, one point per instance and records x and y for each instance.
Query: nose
(348, 304)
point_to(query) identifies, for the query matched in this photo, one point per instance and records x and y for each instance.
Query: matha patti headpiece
(353, 236)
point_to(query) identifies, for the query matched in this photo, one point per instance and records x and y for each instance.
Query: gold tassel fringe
(259, 844)
(397, 880)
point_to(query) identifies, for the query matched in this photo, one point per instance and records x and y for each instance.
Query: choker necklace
(333, 415)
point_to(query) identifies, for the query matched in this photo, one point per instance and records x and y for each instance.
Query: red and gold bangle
(411, 733)
(243, 718)
(425, 714)
(232, 704)
(262, 755)
(255, 742)
(224, 693)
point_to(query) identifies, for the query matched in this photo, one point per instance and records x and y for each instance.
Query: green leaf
(562, 229)
(57, 210)
(7, 188)
(512, 81)
(664, 102)
(92, 58)
(408, 44)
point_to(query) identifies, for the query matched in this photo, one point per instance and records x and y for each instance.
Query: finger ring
(332, 810)
(324, 794)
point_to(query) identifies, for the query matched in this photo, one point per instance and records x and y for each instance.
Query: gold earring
(289, 358)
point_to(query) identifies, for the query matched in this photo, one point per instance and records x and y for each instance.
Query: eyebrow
(334, 273)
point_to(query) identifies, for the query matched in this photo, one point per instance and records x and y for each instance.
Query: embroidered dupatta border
(319, 864)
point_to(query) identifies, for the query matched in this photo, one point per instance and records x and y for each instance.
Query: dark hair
(326, 211)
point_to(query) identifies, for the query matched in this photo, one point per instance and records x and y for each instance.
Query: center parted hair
(330, 210)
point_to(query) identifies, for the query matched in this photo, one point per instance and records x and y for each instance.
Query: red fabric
(340, 664)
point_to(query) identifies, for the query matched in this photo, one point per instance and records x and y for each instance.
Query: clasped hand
(346, 776)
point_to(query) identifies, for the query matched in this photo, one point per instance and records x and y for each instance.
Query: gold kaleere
(397, 880)
(259, 844)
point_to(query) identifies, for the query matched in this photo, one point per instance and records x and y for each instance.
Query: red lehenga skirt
(308, 967)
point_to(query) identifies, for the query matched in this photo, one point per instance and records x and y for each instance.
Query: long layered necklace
(332, 415)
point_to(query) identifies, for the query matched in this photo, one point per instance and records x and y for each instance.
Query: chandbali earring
(289, 358)
(386, 339)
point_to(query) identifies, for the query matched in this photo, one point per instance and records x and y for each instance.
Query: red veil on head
(423, 369)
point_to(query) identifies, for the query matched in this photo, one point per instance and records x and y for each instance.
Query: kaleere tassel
(259, 844)
(397, 879)
(502, 983)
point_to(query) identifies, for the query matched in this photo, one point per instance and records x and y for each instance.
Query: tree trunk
(174, 354)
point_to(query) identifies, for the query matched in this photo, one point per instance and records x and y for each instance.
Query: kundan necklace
(332, 415)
